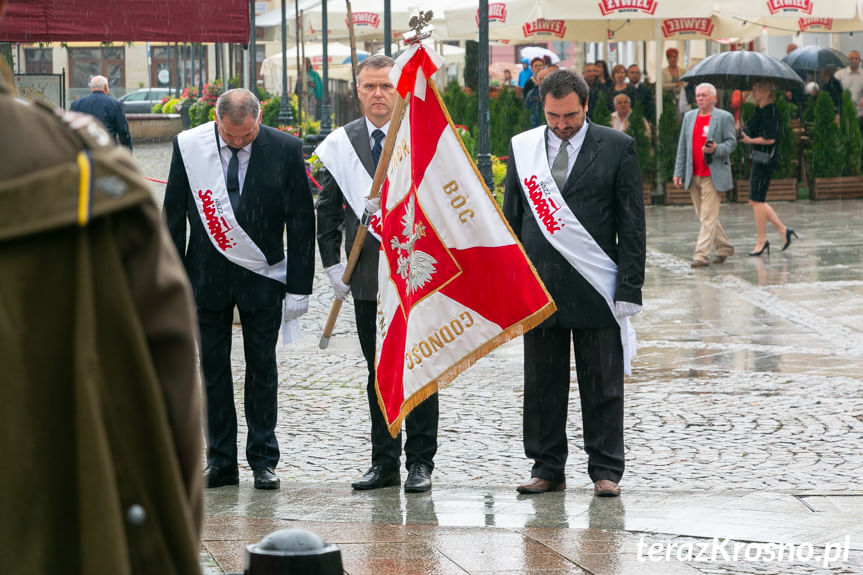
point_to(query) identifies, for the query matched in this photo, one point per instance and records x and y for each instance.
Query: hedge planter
(781, 190)
(648, 190)
(844, 188)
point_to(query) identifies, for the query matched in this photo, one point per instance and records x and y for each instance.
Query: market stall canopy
(126, 21)
(367, 16)
(782, 17)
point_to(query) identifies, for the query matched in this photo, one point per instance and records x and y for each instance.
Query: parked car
(142, 101)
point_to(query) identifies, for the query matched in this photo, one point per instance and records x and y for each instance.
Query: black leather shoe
(419, 478)
(266, 478)
(219, 476)
(377, 477)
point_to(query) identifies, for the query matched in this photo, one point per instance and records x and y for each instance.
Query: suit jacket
(334, 214)
(604, 191)
(109, 111)
(274, 198)
(721, 129)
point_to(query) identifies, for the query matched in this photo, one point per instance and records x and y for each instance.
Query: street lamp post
(286, 118)
(483, 157)
(326, 125)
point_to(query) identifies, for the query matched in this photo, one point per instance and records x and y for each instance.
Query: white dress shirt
(243, 157)
(552, 143)
(371, 128)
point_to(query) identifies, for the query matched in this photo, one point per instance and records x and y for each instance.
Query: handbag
(760, 157)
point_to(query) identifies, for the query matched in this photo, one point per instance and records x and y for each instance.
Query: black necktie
(234, 178)
(378, 135)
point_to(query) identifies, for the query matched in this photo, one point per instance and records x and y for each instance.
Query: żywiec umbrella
(737, 70)
(813, 58)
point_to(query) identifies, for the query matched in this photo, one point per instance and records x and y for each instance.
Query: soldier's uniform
(100, 427)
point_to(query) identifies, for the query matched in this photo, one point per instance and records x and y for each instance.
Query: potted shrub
(643, 148)
(668, 133)
(826, 158)
(601, 114)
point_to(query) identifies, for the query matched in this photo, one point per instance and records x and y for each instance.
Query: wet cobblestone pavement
(744, 420)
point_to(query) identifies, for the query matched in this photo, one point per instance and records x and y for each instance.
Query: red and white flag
(454, 282)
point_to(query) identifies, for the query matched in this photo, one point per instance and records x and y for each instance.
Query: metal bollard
(292, 552)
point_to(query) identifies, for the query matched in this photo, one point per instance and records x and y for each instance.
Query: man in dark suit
(580, 217)
(226, 178)
(350, 156)
(643, 92)
(108, 110)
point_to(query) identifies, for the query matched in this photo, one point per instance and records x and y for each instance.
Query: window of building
(106, 61)
(38, 61)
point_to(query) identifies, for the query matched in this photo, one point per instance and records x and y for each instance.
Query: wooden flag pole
(362, 230)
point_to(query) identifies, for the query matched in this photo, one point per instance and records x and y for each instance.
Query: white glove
(625, 308)
(340, 288)
(373, 205)
(295, 306)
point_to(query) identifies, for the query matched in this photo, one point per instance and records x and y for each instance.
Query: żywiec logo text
(541, 26)
(366, 19)
(543, 204)
(815, 24)
(496, 13)
(217, 225)
(775, 6)
(674, 26)
(645, 6)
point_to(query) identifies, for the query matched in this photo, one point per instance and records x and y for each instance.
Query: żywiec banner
(453, 281)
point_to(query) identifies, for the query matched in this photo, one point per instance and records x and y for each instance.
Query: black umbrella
(737, 70)
(813, 58)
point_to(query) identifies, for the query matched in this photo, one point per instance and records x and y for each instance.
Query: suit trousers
(420, 424)
(599, 368)
(706, 201)
(260, 334)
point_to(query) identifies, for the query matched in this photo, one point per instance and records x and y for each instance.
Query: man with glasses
(350, 156)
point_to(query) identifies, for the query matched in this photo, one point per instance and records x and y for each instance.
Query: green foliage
(668, 132)
(471, 65)
(271, 109)
(171, 106)
(809, 110)
(467, 139)
(741, 163)
(498, 173)
(235, 82)
(198, 113)
(643, 148)
(157, 108)
(786, 146)
(508, 117)
(6, 53)
(601, 113)
(849, 133)
(825, 156)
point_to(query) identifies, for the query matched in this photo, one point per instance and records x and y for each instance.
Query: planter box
(648, 190)
(782, 190)
(845, 188)
(153, 127)
(674, 196)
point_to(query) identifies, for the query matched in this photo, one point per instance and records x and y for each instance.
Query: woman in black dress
(761, 133)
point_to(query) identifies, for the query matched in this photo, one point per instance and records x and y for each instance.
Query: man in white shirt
(851, 79)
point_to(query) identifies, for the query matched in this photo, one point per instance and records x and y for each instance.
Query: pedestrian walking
(105, 109)
(762, 133)
(703, 166)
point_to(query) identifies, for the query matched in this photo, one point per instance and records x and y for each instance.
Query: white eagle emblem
(416, 267)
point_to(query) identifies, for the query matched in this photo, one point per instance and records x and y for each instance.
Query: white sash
(200, 151)
(564, 232)
(344, 165)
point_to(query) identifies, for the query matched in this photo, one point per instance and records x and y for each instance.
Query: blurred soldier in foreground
(101, 409)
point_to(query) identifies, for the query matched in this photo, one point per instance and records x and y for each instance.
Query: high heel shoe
(788, 233)
(766, 246)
